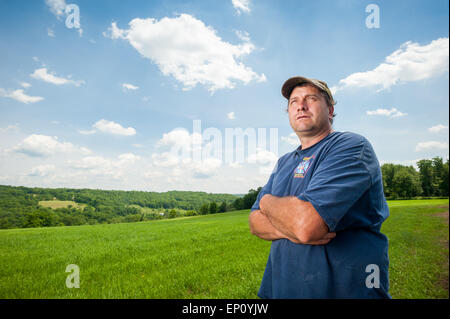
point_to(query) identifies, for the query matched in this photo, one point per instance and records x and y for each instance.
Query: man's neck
(308, 141)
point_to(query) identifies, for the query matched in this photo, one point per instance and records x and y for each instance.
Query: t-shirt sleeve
(267, 189)
(340, 179)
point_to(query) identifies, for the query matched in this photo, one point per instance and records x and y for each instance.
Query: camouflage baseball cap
(290, 84)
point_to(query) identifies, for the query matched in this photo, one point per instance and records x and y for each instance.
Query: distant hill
(22, 207)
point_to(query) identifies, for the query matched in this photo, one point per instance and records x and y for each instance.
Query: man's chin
(304, 130)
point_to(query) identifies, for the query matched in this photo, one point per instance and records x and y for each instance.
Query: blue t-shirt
(341, 177)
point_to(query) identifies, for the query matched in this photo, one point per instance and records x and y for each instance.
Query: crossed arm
(290, 218)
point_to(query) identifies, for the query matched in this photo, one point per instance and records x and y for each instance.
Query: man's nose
(302, 106)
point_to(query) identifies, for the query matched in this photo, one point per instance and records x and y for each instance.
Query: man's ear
(330, 112)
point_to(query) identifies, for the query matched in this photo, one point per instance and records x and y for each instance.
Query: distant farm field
(210, 256)
(54, 204)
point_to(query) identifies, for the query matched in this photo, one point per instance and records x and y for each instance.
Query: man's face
(308, 111)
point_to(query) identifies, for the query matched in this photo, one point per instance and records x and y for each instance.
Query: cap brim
(287, 87)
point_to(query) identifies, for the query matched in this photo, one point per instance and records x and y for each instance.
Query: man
(322, 208)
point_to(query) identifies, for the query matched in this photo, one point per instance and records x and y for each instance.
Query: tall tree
(388, 173)
(212, 208)
(406, 182)
(440, 177)
(223, 207)
(443, 187)
(426, 176)
(204, 209)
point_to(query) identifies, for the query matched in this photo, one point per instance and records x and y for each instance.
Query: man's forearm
(261, 227)
(298, 219)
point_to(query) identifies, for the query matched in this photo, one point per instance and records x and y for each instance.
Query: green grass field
(211, 256)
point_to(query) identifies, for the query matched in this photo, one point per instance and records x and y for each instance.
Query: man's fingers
(319, 242)
(323, 241)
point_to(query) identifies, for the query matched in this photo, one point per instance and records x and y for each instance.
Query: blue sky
(106, 105)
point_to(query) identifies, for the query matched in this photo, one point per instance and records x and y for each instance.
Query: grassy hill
(211, 256)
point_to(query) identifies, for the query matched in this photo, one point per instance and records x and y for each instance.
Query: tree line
(20, 206)
(240, 203)
(404, 182)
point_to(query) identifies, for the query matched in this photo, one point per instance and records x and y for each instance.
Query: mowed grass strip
(212, 256)
(54, 204)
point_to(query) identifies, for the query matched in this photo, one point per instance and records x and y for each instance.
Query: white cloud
(42, 170)
(185, 147)
(438, 128)
(115, 33)
(180, 137)
(128, 172)
(42, 74)
(128, 158)
(385, 112)
(430, 145)
(90, 162)
(180, 157)
(241, 5)
(235, 165)
(153, 174)
(25, 85)
(231, 115)
(165, 159)
(98, 165)
(262, 156)
(185, 48)
(109, 127)
(128, 86)
(57, 7)
(113, 128)
(243, 35)
(37, 145)
(50, 32)
(265, 171)
(181, 144)
(291, 139)
(205, 168)
(411, 62)
(14, 128)
(20, 96)
(95, 162)
(87, 132)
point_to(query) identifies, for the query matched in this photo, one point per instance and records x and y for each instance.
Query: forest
(25, 207)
